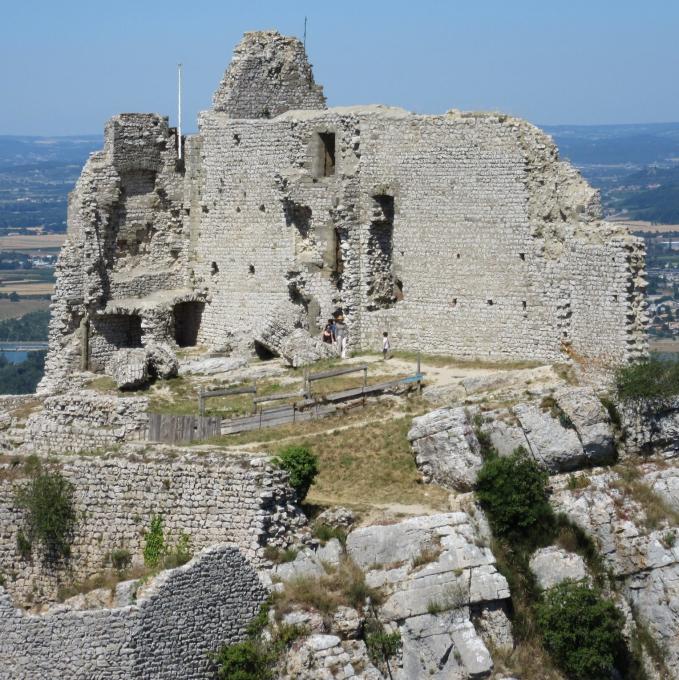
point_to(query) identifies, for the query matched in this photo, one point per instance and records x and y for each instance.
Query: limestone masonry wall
(184, 615)
(461, 233)
(85, 421)
(214, 498)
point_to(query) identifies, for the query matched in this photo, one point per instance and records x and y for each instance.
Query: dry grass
(528, 661)
(442, 360)
(657, 512)
(343, 586)
(106, 579)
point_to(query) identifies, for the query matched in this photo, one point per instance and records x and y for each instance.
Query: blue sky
(68, 65)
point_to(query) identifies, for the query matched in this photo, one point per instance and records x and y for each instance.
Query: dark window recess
(251, 268)
(187, 318)
(236, 139)
(523, 304)
(214, 268)
(615, 298)
(339, 260)
(522, 256)
(328, 152)
(454, 302)
(490, 302)
(380, 278)
(458, 256)
(398, 290)
(121, 330)
(262, 207)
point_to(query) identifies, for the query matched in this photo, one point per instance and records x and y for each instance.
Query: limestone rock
(446, 449)
(212, 365)
(554, 446)
(443, 647)
(162, 361)
(300, 349)
(591, 421)
(552, 565)
(129, 368)
(347, 623)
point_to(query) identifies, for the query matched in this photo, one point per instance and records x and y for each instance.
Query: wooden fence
(176, 429)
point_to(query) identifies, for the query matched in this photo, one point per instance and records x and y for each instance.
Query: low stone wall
(185, 614)
(86, 421)
(214, 498)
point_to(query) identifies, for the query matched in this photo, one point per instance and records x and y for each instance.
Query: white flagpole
(179, 110)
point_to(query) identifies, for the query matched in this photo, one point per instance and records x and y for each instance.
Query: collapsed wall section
(213, 498)
(170, 631)
(125, 241)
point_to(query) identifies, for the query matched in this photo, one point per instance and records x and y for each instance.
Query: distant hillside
(36, 174)
(636, 167)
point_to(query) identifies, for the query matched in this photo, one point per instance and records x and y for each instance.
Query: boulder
(129, 368)
(162, 361)
(591, 421)
(446, 449)
(554, 446)
(552, 565)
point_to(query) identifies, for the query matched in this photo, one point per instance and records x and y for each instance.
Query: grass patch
(345, 586)
(657, 511)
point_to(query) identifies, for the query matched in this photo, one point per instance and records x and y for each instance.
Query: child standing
(385, 345)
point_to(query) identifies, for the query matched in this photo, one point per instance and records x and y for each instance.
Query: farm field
(13, 310)
(33, 244)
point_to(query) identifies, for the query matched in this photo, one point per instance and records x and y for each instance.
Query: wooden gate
(177, 429)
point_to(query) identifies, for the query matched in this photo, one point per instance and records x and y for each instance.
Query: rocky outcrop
(129, 368)
(446, 449)
(637, 542)
(651, 428)
(563, 431)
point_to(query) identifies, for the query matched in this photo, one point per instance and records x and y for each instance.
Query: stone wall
(85, 421)
(460, 234)
(168, 633)
(214, 498)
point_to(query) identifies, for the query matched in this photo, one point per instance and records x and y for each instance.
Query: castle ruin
(459, 234)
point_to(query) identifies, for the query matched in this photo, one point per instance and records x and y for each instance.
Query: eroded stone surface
(553, 565)
(446, 449)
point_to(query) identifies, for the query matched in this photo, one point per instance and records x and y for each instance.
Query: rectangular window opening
(328, 153)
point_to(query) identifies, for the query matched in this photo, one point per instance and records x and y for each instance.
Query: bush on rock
(301, 465)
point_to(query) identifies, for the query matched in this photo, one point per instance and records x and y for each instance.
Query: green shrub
(301, 465)
(646, 383)
(248, 660)
(512, 491)
(325, 533)
(582, 631)
(24, 546)
(120, 558)
(179, 554)
(255, 659)
(154, 543)
(381, 645)
(50, 513)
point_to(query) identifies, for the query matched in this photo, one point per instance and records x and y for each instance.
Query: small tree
(582, 631)
(50, 513)
(302, 466)
(512, 491)
(154, 543)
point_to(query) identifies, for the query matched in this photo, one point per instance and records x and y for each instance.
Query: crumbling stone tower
(460, 233)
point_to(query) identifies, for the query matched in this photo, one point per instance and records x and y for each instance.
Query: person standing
(385, 345)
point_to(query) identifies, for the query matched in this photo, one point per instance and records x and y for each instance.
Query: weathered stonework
(183, 616)
(214, 498)
(460, 233)
(85, 421)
